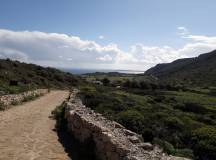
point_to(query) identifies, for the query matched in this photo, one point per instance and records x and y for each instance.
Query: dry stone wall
(16, 98)
(112, 141)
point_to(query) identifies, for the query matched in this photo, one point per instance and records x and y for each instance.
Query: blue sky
(136, 30)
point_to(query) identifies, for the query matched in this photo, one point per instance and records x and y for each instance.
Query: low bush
(184, 153)
(132, 119)
(2, 106)
(167, 147)
(14, 103)
(212, 92)
(58, 114)
(164, 116)
(147, 134)
(192, 107)
(204, 140)
(174, 123)
(105, 81)
(30, 98)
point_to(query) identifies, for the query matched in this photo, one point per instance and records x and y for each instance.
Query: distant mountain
(199, 71)
(33, 75)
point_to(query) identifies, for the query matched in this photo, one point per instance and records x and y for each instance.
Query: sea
(85, 71)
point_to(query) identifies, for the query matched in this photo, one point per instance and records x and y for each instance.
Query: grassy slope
(199, 71)
(32, 76)
(182, 122)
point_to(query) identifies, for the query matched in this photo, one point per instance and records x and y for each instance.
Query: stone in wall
(11, 98)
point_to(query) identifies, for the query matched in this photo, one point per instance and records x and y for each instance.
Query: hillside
(16, 76)
(200, 71)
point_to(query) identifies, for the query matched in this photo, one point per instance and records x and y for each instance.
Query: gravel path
(26, 131)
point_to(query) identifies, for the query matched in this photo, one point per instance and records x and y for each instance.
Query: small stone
(129, 133)
(117, 125)
(134, 139)
(146, 146)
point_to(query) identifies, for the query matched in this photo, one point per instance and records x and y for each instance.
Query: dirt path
(26, 131)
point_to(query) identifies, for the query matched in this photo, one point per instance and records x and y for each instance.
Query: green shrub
(30, 98)
(192, 107)
(14, 103)
(144, 85)
(212, 92)
(205, 142)
(157, 114)
(147, 134)
(105, 81)
(174, 123)
(2, 106)
(167, 147)
(58, 114)
(17, 89)
(159, 98)
(132, 119)
(184, 153)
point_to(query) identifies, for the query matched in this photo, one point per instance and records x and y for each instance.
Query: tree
(105, 81)
(132, 119)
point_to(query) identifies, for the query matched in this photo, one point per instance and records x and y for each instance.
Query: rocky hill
(199, 71)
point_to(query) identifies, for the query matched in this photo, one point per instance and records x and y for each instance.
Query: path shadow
(74, 149)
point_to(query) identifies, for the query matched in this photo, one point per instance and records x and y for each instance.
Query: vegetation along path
(27, 132)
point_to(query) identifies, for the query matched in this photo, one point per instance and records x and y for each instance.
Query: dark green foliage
(30, 76)
(6, 89)
(174, 123)
(58, 114)
(192, 107)
(132, 119)
(105, 81)
(144, 85)
(30, 98)
(151, 86)
(184, 152)
(2, 106)
(14, 103)
(212, 92)
(168, 147)
(168, 118)
(147, 134)
(205, 142)
(198, 71)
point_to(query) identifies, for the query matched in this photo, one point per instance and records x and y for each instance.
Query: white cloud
(52, 48)
(183, 31)
(13, 54)
(105, 58)
(69, 59)
(201, 38)
(101, 37)
(60, 50)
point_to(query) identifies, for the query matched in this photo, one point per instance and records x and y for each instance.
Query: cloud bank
(61, 50)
